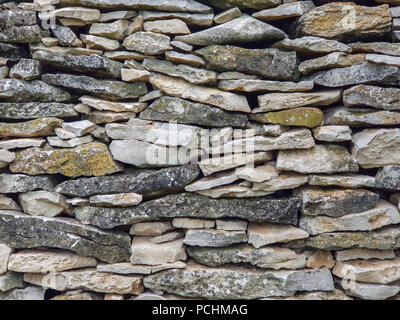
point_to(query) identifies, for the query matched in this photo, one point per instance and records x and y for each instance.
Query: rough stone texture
(34, 128)
(43, 203)
(14, 183)
(312, 45)
(35, 110)
(388, 178)
(213, 238)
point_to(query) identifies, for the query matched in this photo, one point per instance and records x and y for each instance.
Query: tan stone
(364, 254)
(33, 128)
(132, 75)
(189, 223)
(100, 43)
(44, 203)
(171, 27)
(116, 200)
(233, 191)
(5, 252)
(258, 174)
(150, 228)
(8, 203)
(320, 259)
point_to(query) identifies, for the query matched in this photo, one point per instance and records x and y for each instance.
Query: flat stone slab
(15, 183)
(213, 238)
(35, 110)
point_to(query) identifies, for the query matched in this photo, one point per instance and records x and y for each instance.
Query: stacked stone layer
(207, 150)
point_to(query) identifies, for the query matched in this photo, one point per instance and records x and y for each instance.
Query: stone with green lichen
(35, 110)
(34, 128)
(301, 117)
(11, 280)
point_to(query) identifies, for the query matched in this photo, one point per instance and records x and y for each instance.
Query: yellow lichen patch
(33, 128)
(91, 159)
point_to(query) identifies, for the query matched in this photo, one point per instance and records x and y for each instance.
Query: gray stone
(11, 280)
(244, 4)
(369, 291)
(14, 90)
(187, 112)
(263, 209)
(15, 183)
(244, 29)
(267, 63)
(145, 182)
(212, 181)
(66, 36)
(388, 48)
(107, 89)
(348, 180)
(332, 133)
(227, 15)
(190, 59)
(35, 110)
(28, 293)
(266, 257)
(25, 69)
(238, 283)
(63, 233)
(388, 178)
(364, 254)
(285, 11)
(148, 43)
(195, 19)
(13, 51)
(214, 238)
(93, 64)
(250, 85)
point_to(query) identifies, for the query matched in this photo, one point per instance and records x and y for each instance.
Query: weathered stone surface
(383, 59)
(13, 51)
(34, 110)
(47, 261)
(238, 283)
(278, 101)
(96, 65)
(8, 204)
(66, 36)
(332, 60)
(156, 228)
(146, 252)
(124, 268)
(28, 293)
(332, 133)
(320, 259)
(348, 180)
(376, 147)
(91, 159)
(187, 112)
(227, 15)
(34, 128)
(80, 295)
(100, 43)
(212, 181)
(388, 178)
(244, 4)
(190, 74)
(376, 47)
(63, 233)
(25, 69)
(88, 279)
(143, 182)
(335, 202)
(190, 59)
(19, 33)
(14, 183)
(346, 21)
(365, 254)
(85, 14)
(360, 117)
(267, 63)
(116, 200)
(15, 90)
(107, 89)
(197, 19)
(268, 233)
(231, 225)
(284, 11)
(372, 96)
(357, 74)
(11, 280)
(113, 30)
(132, 75)
(257, 174)
(5, 252)
(335, 295)
(189, 223)
(72, 143)
(318, 159)
(43, 203)
(233, 191)
(67, 50)
(79, 128)
(214, 238)
(170, 27)
(381, 272)
(148, 43)
(284, 181)
(6, 157)
(383, 214)
(194, 206)
(179, 5)
(234, 75)
(369, 291)
(240, 30)
(267, 257)
(183, 89)
(101, 105)
(312, 45)
(250, 85)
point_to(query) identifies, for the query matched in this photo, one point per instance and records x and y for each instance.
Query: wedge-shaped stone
(72, 143)
(15, 183)
(257, 174)
(383, 214)
(244, 29)
(267, 257)
(348, 180)
(261, 234)
(212, 181)
(284, 11)
(151, 228)
(43, 203)
(377, 147)
(34, 128)
(292, 139)
(34, 110)
(372, 96)
(357, 74)
(63, 233)
(383, 59)
(148, 43)
(190, 205)
(7, 204)
(124, 268)
(278, 101)
(312, 45)
(178, 6)
(381, 272)
(14, 90)
(346, 21)
(106, 89)
(88, 279)
(190, 59)
(66, 50)
(214, 238)
(100, 43)
(388, 178)
(91, 159)
(183, 89)
(298, 117)
(196, 19)
(318, 159)
(267, 63)
(329, 61)
(392, 49)
(369, 291)
(101, 104)
(364, 254)
(335, 202)
(190, 74)
(96, 65)
(227, 15)
(33, 261)
(116, 200)
(187, 112)
(146, 252)
(238, 283)
(139, 181)
(249, 85)
(284, 181)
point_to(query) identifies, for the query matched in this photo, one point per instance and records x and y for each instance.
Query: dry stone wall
(215, 149)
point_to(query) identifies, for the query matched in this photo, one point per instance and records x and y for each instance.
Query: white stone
(57, 142)
(64, 134)
(5, 253)
(332, 133)
(116, 200)
(43, 203)
(189, 223)
(8, 203)
(100, 104)
(79, 128)
(212, 181)
(257, 174)
(6, 157)
(284, 181)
